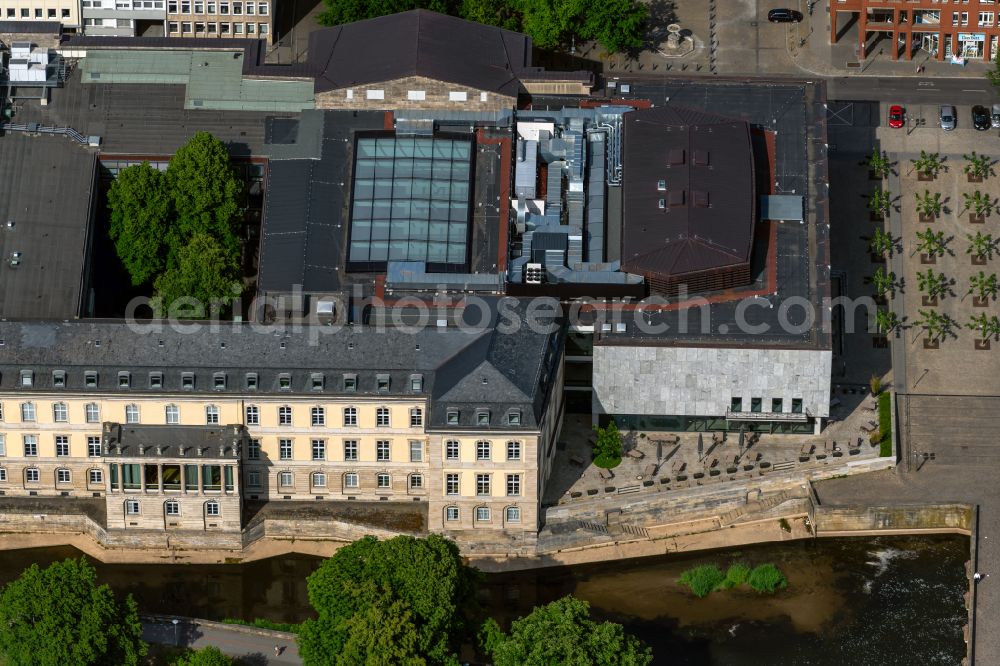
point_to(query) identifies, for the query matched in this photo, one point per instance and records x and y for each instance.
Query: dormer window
(416, 383)
(482, 417)
(251, 381)
(316, 381)
(187, 381)
(284, 382)
(90, 379)
(514, 417)
(350, 383)
(219, 381)
(27, 378)
(59, 378)
(124, 380)
(452, 417)
(382, 382)
(156, 380)
(661, 185)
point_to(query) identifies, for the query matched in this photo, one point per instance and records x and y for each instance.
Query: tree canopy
(178, 230)
(400, 601)
(60, 615)
(619, 25)
(206, 656)
(563, 632)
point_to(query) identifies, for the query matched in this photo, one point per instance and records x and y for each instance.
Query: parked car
(947, 117)
(995, 116)
(784, 16)
(896, 116)
(980, 118)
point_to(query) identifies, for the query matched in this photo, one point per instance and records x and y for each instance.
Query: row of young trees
(619, 25)
(177, 230)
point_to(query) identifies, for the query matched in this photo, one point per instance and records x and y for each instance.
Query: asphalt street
(251, 648)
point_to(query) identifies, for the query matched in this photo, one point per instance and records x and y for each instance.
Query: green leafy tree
(928, 164)
(886, 321)
(563, 633)
(206, 193)
(141, 209)
(879, 202)
(883, 281)
(881, 243)
(977, 166)
(981, 245)
(988, 326)
(204, 272)
(206, 656)
(935, 324)
(500, 13)
(402, 585)
(983, 286)
(932, 284)
(608, 447)
(618, 25)
(929, 204)
(60, 615)
(932, 243)
(879, 163)
(978, 203)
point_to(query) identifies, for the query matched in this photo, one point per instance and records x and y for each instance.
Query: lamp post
(177, 632)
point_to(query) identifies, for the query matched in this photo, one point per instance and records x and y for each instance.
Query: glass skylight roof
(410, 201)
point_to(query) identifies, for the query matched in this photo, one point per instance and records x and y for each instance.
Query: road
(253, 649)
(913, 91)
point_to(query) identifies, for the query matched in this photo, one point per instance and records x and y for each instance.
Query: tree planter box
(974, 179)
(929, 302)
(880, 300)
(928, 259)
(880, 342)
(977, 219)
(925, 177)
(877, 217)
(878, 258)
(978, 260)
(873, 175)
(982, 345)
(927, 217)
(980, 302)
(932, 344)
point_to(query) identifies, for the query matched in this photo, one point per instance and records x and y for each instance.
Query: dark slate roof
(518, 363)
(708, 220)
(31, 27)
(167, 441)
(419, 43)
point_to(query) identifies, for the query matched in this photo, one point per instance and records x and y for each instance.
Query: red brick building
(943, 29)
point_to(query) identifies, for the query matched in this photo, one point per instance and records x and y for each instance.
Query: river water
(851, 601)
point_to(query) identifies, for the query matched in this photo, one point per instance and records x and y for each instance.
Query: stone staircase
(758, 506)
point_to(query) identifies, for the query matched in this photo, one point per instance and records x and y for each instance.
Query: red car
(896, 116)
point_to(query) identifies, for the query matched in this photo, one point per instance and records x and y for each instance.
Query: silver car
(995, 115)
(947, 117)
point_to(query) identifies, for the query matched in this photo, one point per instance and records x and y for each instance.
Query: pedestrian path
(252, 645)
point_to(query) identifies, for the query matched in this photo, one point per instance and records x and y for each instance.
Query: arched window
(31, 475)
(172, 508)
(451, 514)
(211, 508)
(93, 412)
(132, 413)
(60, 413)
(512, 514)
(63, 475)
(173, 414)
(319, 480)
(211, 414)
(483, 514)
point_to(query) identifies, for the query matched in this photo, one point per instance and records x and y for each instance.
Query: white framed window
(93, 411)
(285, 479)
(27, 378)
(251, 377)
(451, 484)
(95, 476)
(416, 417)
(187, 378)
(58, 378)
(383, 481)
(349, 93)
(211, 508)
(350, 416)
(93, 446)
(416, 95)
(132, 413)
(317, 381)
(60, 413)
(262, 8)
(451, 514)
(319, 449)
(416, 481)
(62, 446)
(482, 450)
(513, 514)
(416, 383)
(986, 19)
(483, 97)
(375, 94)
(253, 415)
(317, 416)
(30, 445)
(3, 445)
(63, 475)
(156, 380)
(416, 450)
(124, 380)
(350, 449)
(285, 449)
(351, 480)
(514, 417)
(319, 480)
(453, 417)
(482, 417)
(132, 507)
(27, 412)
(253, 449)
(350, 383)
(451, 450)
(513, 450)
(172, 508)
(284, 415)
(382, 450)
(382, 417)
(173, 27)
(253, 478)
(482, 484)
(173, 414)
(458, 96)
(211, 414)
(90, 379)
(513, 485)
(482, 514)
(32, 475)
(219, 378)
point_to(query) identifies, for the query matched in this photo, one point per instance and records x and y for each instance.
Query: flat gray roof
(46, 191)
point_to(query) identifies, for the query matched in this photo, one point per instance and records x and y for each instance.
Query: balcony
(786, 417)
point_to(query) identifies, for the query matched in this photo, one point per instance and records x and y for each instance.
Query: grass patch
(707, 578)
(261, 623)
(703, 580)
(885, 425)
(767, 579)
(784, 525)
(736, 575)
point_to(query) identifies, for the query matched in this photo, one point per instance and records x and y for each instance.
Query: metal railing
(36, 128)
